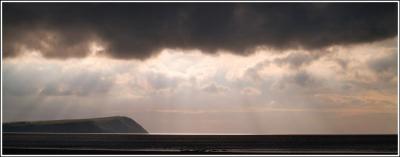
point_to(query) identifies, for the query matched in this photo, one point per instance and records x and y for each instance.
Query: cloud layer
(179, 92)
(142, 30)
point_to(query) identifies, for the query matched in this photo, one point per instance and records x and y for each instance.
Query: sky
(226, 68)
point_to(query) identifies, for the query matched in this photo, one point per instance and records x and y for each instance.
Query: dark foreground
(37, 143)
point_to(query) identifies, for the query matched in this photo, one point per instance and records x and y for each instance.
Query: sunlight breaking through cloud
(267, 91)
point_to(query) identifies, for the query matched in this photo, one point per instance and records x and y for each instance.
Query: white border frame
(1, 56)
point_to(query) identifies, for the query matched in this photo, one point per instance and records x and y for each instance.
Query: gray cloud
(296, 60)
(342, 63)
(253, 72)
(297, 82)
(214, 88)
(80, 84)
(140, 30)
(26, 80)
(302, 78)
(384, 64)
(19, 86)
(161, 81)
(47, 80)
(385, 67)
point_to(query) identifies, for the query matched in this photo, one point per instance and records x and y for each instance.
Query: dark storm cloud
(140, 30)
